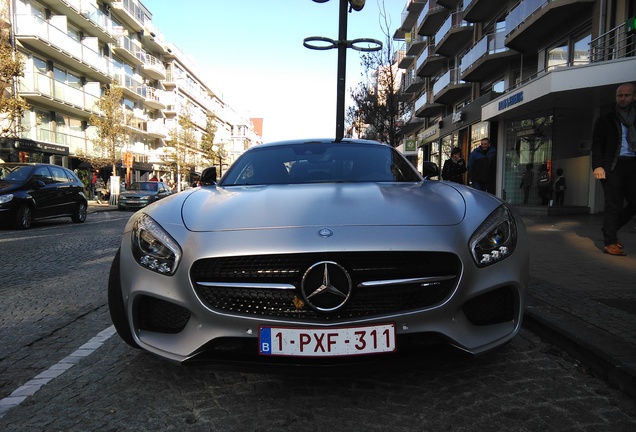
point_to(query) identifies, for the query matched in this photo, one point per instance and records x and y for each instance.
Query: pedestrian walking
(559, 187)
(455, 167)
(482, 166)
(526, 182)
(614, 164)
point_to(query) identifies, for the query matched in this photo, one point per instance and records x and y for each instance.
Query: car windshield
(146, 186)
(320, 163)
(14, 173)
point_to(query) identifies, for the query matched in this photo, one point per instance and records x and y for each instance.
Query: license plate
(320, 342)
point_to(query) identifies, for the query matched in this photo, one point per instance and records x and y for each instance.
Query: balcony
(86, 16)
(532, 21)
(480, 10)
(129, 50)
(154, 68)
(156, 129)
(410, 14)
(450, 89)
(425, 106)
(152, 39)
(131, 87)
(453, 35)
(40, 35)
(41, 89)
(131, 13)
(412, 84)
(487, 58)
(416, 45)
(430, 64)
(449, 4)
(431, 18)
(152, 98)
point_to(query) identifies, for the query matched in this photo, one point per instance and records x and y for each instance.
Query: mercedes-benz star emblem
(326, 286)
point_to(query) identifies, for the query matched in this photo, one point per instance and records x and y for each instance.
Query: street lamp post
(323, 43)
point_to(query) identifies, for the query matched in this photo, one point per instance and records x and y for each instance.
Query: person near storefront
(614, 164)
(482, 164)
(455, 167)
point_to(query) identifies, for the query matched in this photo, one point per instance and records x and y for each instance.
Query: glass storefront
(527, 141)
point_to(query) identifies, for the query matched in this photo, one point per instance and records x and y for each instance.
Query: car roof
(319, 141)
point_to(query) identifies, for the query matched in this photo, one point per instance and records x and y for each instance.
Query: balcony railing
(612, 45)
(520, 13)
(96, 16)
(132, 47)
(39, 83)
(454, 20)
(31, 25)
(489, 44)
(152, 62)
(452, 76)
(425, 99)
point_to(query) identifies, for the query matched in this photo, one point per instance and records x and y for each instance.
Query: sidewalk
(582, 299)
(579, 298)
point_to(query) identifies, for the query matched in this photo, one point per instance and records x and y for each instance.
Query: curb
(608, 357)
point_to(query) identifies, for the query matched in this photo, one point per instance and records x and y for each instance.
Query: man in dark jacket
(482, 166)
(614, 164)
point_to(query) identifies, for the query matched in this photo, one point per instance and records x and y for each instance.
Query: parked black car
(30, 191)
(140, 194)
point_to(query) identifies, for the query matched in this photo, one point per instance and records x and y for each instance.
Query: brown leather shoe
(619, 244)
(614, 249)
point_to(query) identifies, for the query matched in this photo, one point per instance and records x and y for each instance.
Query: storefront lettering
(458, 116)
(510, 101)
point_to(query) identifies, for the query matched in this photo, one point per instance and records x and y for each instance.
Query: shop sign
(410, 145)
(510, 101)
(29, 145)
(457, 117)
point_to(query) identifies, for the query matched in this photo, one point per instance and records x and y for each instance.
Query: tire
(24, 217)
(116, 304)
(80, 213)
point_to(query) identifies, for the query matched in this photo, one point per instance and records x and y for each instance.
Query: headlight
(5, 198)
(153, 248)
(495, 239)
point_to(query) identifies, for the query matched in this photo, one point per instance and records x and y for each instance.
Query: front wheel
(24, 217)
(80, 213)
(116, 304)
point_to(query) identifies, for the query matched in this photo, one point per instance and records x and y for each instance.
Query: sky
(252, 53)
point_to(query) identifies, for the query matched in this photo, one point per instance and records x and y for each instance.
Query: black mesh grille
(161, 316)
(289, 269)
(494, 307)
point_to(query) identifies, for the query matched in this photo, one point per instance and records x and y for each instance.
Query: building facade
(532, 75)
(74, 49)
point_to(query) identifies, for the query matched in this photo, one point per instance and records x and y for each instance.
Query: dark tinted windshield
(320, 162)
(15, 174)
(147, 186)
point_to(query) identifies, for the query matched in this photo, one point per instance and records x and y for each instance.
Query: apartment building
(72, 49)
(532, 75)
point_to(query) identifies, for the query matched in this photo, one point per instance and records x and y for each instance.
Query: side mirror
(430, 169)
(208, 176)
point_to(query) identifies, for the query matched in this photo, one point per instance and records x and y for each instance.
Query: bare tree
(376, 110)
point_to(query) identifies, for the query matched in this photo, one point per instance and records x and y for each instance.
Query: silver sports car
(310, 251)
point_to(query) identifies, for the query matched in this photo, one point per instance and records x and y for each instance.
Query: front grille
(290, 268)
(161, 316)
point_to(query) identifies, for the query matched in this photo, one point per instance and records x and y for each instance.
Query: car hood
(7, 187)
(278, 206)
